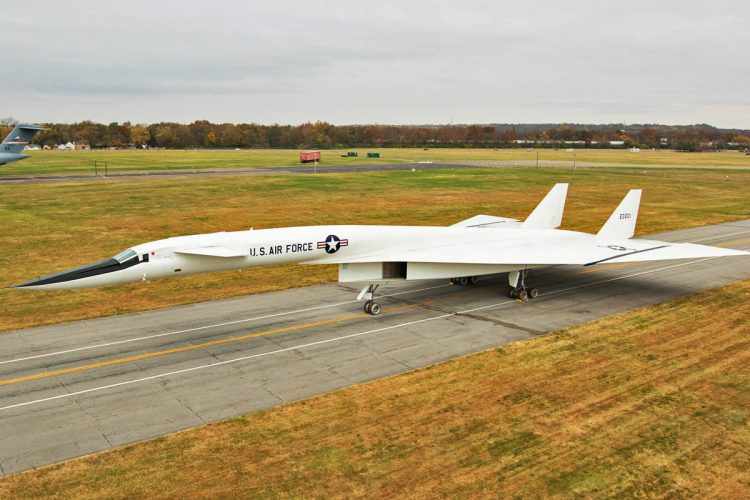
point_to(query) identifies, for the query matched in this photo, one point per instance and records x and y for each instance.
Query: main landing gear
(518, 289)
(465, 281)
(367, 294)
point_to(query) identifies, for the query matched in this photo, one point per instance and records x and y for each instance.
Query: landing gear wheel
(534, 293)
(473, 280)
(463, 281)
(368, 307)
(375, 309)
(523, 295)
(454, 281)
(513, 293)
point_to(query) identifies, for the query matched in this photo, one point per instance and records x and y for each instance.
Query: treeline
(204, 134)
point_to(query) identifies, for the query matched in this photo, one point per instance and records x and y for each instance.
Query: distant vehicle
(12, 147)
(309, 156)
(370, 255)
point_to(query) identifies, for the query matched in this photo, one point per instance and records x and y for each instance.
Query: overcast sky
(354, 61)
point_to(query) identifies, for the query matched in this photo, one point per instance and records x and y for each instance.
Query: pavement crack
(183, 404)
(504, 324)
(190, 410)
(91, 416)
(269, 391)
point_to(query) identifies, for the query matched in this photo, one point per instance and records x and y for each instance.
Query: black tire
(513, 293)
(375, 309)
(473, 280)
(534, 293)
(367, 307)
(463, 281)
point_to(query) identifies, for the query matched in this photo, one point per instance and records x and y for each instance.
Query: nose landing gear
(372, 308)
(367, 294)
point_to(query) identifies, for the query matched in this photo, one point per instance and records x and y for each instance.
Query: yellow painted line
(187, 348)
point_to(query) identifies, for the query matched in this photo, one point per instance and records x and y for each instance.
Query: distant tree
(203, 133)
(165, 136)
(139, 135)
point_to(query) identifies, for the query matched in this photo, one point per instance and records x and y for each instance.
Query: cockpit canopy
(126, 256)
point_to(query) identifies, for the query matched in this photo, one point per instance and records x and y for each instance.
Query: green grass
(80, 162)
(52, 227)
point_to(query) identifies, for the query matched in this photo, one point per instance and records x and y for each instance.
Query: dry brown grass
(51, 227)
(651, 403)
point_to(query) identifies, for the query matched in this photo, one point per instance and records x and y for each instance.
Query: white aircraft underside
(478, 246)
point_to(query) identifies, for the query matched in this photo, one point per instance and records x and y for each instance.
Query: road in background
(330, 169)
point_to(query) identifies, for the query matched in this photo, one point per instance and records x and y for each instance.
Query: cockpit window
(125, 256)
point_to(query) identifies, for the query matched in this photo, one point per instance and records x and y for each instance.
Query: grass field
(80, 162)
(653, 403)
(52, 227)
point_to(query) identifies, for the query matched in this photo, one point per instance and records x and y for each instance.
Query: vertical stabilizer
(621, 224)
(19, 137)
(549, 213)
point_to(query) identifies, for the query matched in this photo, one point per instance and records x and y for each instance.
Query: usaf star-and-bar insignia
(332, 244)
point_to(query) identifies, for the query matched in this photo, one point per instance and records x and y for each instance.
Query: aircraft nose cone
(101, 267)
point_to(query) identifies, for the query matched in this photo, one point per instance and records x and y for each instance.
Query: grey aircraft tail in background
(11, 148)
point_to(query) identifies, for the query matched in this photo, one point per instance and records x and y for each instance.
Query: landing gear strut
(518, 289)
(368, 295)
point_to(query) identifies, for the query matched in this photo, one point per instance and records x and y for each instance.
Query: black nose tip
(101, 267)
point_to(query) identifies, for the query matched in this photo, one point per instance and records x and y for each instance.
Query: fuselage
(186, 255)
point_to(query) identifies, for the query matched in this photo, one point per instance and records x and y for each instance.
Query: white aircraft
(481, 245)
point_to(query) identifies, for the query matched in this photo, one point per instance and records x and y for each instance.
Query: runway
(87, 386)
(252, 171)
(124, 175)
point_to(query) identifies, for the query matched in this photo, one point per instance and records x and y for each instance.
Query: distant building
(617, 143)
(72, 146)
